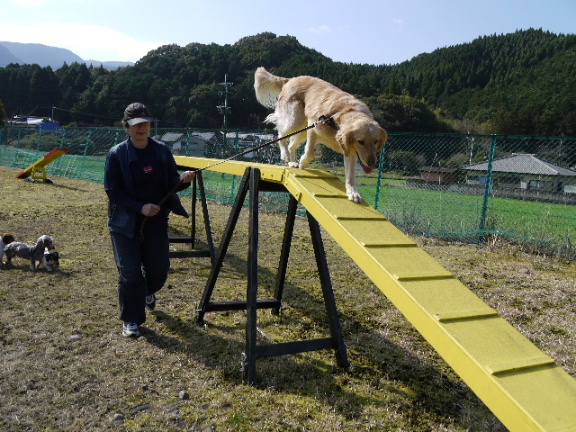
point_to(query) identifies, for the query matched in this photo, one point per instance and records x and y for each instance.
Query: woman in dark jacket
(141, 173)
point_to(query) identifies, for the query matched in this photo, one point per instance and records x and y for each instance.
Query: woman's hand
(150, 209)
(187, 176)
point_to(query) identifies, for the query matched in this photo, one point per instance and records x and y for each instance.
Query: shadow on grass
(410, 384)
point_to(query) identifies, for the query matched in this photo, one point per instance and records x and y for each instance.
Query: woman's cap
(136, 113)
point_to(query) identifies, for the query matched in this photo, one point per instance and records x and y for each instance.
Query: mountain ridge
(45, 55)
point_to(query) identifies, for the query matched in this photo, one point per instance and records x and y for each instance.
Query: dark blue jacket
(118, 184)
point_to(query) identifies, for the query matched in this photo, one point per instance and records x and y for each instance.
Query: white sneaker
(131, 330)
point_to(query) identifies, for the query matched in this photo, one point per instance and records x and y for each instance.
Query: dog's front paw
(293, 164)
(354, 195)
(303, 164)
(304, 161)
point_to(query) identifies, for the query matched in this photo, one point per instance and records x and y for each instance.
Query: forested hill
(519, 83)
(524, 82)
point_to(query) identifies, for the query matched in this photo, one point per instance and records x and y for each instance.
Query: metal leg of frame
(328, 293)
(249, 367)
(196, 187)
(219, 259)
(251, 184)
(285, 254)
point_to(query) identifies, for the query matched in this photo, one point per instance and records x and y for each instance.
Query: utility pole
(225, 109)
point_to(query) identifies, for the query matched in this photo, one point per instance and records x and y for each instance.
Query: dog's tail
(268, 87)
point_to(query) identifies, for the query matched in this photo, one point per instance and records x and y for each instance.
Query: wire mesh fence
(472, 188)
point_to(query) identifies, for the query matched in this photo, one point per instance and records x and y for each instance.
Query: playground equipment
(519, 383)
(37, 171)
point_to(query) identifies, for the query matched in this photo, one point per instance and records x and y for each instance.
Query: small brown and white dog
(33, 253)
(303, 100)
(5, 239)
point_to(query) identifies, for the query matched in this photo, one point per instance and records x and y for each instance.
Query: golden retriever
(304, 100)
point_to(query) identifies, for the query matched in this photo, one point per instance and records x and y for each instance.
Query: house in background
(179, 144)
(440, 175)
(44, 124)
(175, 140)
(523, 171)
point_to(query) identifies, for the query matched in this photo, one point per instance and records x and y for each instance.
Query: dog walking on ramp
(303, 100)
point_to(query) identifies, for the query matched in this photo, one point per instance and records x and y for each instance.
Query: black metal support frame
(252, 184)
(197, 187)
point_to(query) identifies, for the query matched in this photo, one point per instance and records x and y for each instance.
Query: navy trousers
(143, 264)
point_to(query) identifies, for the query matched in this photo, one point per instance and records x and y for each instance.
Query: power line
(76, 112)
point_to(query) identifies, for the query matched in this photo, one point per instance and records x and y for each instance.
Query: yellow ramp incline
(519, 383)
(40, 165)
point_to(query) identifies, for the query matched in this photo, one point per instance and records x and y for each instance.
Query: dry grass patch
(64, 365)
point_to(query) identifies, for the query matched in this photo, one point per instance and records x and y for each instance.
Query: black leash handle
(323, 119)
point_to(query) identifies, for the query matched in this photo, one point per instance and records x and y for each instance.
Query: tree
(2, 113)
(405, 114)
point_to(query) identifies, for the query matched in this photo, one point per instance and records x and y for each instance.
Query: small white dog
(33, 253)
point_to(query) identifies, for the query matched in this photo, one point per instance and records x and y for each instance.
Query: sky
(351, 31)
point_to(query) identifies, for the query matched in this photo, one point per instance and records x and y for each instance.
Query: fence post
(63, 140)
(39, 149)
(1, 148)
(233, 185)
(116, 135)
(17, 147)
(86, 147)
(380, 175)
(488, 187)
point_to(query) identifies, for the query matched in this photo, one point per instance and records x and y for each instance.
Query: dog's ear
(343, 140)
(7, 238)
(383, 139)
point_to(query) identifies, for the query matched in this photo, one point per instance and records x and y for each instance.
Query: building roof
(171, 137)
(206, 136)
(438, 169)
(522, 164)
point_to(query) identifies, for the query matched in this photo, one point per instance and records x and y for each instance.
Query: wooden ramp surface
(519, 383)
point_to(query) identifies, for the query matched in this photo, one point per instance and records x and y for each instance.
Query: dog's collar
(329, 121)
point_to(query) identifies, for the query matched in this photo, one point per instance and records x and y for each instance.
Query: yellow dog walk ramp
(37, 171)
(519, 383)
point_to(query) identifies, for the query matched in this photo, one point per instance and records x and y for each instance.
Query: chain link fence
(471, 188)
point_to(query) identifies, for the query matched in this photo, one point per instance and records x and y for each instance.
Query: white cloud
(90, 42)
(321, 29)
(29, 3)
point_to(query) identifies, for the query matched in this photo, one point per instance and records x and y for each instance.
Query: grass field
(460, 213)
(64, 365)
(545, 227)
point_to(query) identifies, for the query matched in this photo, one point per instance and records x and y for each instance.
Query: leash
(323, 120)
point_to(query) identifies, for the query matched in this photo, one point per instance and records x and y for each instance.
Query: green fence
(471, 188)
